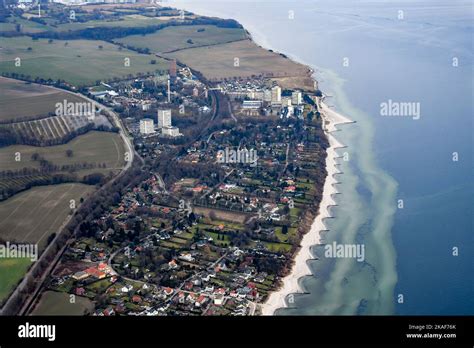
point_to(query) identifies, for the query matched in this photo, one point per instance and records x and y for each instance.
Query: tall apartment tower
(164, 118)
(276, 95)
(296, 98)
(147, 126)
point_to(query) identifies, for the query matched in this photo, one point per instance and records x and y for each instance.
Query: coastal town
(212, 242)
(215, 173)
(222, 178)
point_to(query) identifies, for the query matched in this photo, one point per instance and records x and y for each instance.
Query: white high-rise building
(147, 126)
(296, 98)
(164, 118)
(276, 95)
(267, 95)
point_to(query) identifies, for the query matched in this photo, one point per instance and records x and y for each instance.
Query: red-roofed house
(136, 299)
(168, 291)
(200, 301)
(95, 273)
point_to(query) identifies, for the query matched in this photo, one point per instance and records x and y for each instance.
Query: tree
(69, 153)
(51, 238)
(212, 215)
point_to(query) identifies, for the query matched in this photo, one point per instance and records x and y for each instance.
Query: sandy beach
(290, 284)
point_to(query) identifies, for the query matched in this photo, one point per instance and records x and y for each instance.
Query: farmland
(78, 62)
(219, 61)
(182, 37)
(50, 128)
(26, 26)
(33, 215)
(11, 272)
(84, 160)
(57, 303)
(84, 149)
(130, 18)
(133, 20)
(21, 100)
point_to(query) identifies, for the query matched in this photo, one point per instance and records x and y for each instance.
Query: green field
(22, 100)
(26, 26)
(80, 62)
(217, 62)
(176, 37)
(33, 215)
(30, 27)
(58, 303)
(11, 272)
(133, 20)
(92, 147)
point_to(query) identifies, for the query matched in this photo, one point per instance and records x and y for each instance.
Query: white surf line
(290, 283)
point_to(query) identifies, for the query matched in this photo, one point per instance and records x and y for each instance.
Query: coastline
(300, 268)
(290, 284)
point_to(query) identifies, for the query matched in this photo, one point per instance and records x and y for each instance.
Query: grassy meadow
(78, 62)
(182, 37)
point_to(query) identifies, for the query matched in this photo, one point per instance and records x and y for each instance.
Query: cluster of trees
(101, 201)
(270, 265)
(172, 171)
(50, 82)
(9, 137)
(98, 33)
(26, 118)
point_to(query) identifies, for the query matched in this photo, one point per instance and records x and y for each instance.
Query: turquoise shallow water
(401, 51)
